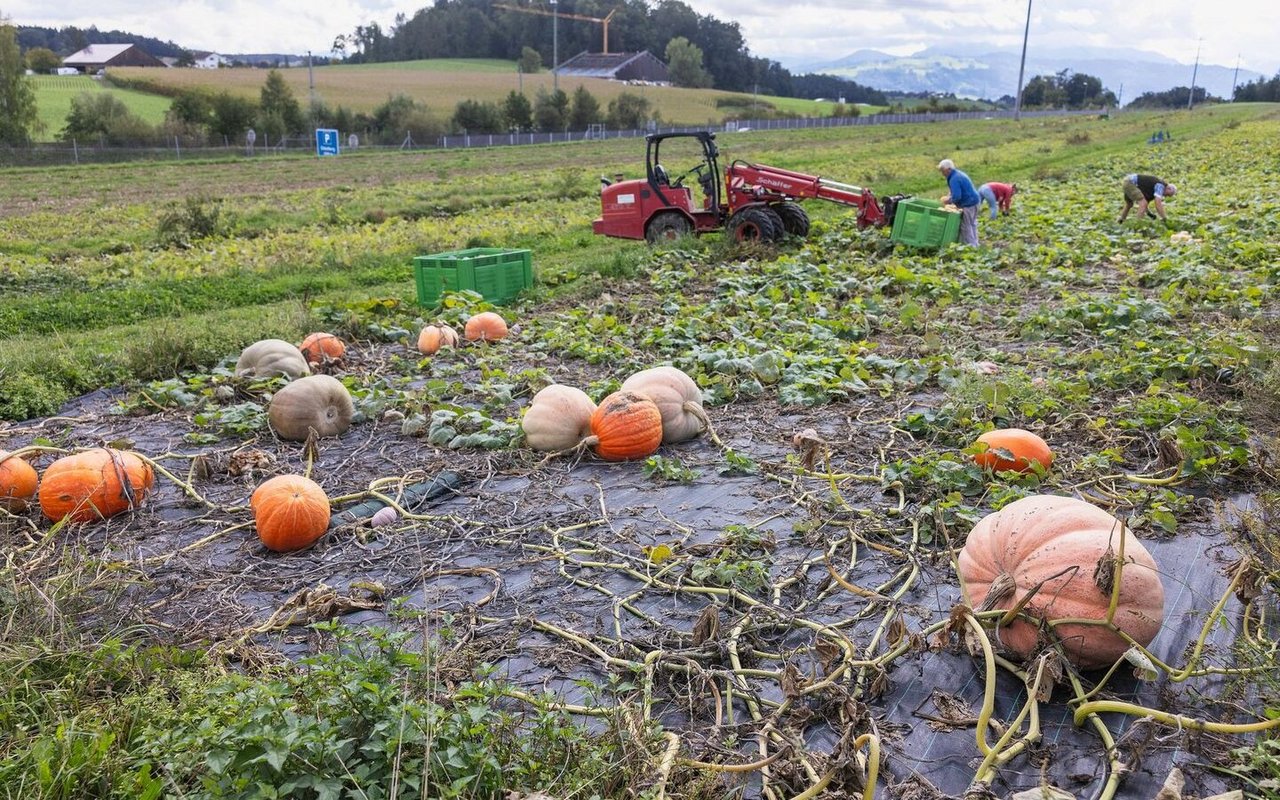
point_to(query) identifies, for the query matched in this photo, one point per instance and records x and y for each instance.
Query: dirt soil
(543, 570)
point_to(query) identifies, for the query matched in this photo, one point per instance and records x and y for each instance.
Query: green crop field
(442, 84)
(804, 599)
(54, 94)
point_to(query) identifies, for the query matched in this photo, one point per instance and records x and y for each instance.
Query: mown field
(54, 94)
(441, 84)
(771, 613)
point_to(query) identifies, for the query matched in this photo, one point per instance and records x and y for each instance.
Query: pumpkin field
(828, 518)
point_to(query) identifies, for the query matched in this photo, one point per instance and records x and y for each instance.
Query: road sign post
(326, 142)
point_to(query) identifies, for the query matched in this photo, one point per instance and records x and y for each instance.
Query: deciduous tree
(18, 120)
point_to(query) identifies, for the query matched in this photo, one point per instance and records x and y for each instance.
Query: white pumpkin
(320, 402)
(678, 399)
(558, 418)
(272, 357)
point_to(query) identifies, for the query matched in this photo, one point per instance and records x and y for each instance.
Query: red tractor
(754, 202)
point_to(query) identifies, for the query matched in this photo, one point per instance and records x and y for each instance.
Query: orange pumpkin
(434, 337)
(321, 347)
(485, 327)
(17, 483)
(290, 512)
(1013, 449)
(625, 426)
(95, 484)
(1033, 539)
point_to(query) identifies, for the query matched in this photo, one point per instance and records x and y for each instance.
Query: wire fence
(180, 148)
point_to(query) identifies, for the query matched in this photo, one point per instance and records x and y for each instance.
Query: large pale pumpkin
(272, 357)
(625, 426)
(320, 347)
(18, 482)
(1036, 537)
(319, 401)
(1013, 449)
(290, 512)
(95, 484)
(434, 337)
(678, 398)
(558, 418)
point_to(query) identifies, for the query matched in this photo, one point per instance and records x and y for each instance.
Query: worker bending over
(998, 195)
(1144, 189)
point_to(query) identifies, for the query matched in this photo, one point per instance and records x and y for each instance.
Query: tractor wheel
(752, 224)
(779, 227)
(667, 226)
(794, 219)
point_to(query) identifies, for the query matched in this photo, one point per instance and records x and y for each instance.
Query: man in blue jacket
(965, 197)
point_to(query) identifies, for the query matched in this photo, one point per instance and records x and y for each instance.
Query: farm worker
(998, 195)
(965, 197)
(1144, 189)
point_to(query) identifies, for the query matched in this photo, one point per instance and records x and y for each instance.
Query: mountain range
(977, 72)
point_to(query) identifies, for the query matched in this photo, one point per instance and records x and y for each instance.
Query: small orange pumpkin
(321, 347)
(18, 482)
(626, 426)
(485, 327)
(95, 484)
(434, 337)
(1042, 538)
(1023, 447)
(290, 512)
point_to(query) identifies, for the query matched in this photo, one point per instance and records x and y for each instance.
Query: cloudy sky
(790, 31)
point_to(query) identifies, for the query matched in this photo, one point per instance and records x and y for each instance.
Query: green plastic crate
(496, 273)
(925, 223)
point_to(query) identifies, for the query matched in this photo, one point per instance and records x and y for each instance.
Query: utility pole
(1235, 78)
(1017, 100)
(1192, 96)
(311, 89)
(1120, 98)
(555, 47)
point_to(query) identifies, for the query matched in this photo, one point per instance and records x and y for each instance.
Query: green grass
(54, 94)
(75, 302)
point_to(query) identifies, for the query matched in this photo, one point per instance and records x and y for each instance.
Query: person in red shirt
(998, 195)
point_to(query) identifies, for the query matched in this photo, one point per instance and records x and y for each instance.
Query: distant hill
(980, 73)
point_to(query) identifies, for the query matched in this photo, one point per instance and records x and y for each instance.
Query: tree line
(1262, 90)
(481, 29)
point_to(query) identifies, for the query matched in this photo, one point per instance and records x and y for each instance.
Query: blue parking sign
(326, 142)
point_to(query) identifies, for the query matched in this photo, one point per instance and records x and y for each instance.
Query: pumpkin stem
(698, 411)
(590, 441)
(1021, 604)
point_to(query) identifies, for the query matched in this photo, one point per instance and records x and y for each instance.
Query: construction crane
(604, 21)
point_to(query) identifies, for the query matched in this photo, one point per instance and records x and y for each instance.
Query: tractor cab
(663, 205)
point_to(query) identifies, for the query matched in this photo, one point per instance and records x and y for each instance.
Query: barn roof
(96, 54)
(598, 65)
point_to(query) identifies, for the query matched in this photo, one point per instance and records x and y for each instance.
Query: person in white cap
(1140, 190)
(965, 197)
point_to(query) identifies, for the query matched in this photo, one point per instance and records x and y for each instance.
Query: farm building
(203, 59)
(642, 66)
(100, 56)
